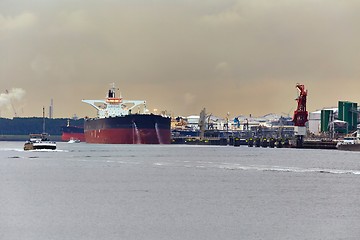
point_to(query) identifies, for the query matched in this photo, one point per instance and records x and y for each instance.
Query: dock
(256, 142)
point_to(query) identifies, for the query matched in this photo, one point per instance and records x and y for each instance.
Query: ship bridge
(116, 107)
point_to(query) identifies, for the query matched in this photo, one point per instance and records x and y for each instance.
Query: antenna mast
(43, 119)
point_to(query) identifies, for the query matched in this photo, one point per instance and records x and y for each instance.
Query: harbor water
(162, 192)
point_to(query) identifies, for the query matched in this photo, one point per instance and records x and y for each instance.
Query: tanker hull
(129, 129)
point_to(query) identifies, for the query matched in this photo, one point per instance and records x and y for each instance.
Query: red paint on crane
(300, 114)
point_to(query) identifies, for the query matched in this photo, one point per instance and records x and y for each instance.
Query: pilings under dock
(257, 142)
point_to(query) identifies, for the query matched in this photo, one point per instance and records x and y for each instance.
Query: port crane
(300, 115)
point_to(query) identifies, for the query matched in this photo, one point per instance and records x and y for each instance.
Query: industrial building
(337, 120)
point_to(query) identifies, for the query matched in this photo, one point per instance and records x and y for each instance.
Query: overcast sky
(236, 56)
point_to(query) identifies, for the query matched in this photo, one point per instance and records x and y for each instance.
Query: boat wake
(34, 150)
(263, 168)
(12, 149)
(291, 169)
(45, 150)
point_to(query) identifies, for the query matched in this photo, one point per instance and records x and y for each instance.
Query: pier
(257, 142)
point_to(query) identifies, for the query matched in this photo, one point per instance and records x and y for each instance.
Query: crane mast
(300, 115)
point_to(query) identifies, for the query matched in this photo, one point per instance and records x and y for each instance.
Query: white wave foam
(12, 149)
(291, 169)
(159, 164)
(45, 150)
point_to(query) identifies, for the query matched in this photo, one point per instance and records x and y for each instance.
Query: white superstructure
(116, 106)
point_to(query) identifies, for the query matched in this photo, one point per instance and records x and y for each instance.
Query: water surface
(95, 191)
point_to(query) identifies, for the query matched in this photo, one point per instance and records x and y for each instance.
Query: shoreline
(25, 138)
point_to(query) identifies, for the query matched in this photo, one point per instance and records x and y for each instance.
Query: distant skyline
(237, 56)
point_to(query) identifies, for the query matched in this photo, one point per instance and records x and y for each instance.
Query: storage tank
(348, 113)
(327, 116)
(314, 122)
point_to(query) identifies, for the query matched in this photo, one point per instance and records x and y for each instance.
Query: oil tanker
(122, 121)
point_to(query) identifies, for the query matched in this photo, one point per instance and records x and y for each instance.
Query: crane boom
(300, 114)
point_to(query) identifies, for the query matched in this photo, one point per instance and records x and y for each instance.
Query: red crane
(300, 114)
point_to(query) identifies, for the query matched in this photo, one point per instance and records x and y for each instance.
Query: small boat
(73, 140)
(350, 143)
(39, 141)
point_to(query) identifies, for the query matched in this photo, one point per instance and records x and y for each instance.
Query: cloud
(189, 98)
(21, 21)
(14, 94)
(182, 55)
(231, 15)
(78, 21)
(41, 64)
(223, 69)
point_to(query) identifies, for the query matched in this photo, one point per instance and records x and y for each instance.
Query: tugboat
(122, 121)
(40, 141)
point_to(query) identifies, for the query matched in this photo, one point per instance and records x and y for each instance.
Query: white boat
(39, 141)
(73, 140)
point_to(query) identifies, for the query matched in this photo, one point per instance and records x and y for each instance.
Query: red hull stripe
(128, 136)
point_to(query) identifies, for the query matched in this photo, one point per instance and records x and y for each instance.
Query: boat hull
(349, 147)
(129, 129)
(40, 146)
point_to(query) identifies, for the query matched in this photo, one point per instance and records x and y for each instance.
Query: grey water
(95, 191)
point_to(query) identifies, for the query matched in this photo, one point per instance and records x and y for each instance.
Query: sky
(230, 56)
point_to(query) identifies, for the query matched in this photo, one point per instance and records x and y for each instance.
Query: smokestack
(51, 108)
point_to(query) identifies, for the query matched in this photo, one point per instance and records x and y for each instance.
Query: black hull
(349, 147)
(31, 146)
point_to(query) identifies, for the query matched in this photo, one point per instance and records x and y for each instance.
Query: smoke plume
(14, 94)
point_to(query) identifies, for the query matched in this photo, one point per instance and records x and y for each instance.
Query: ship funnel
(111, 94)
